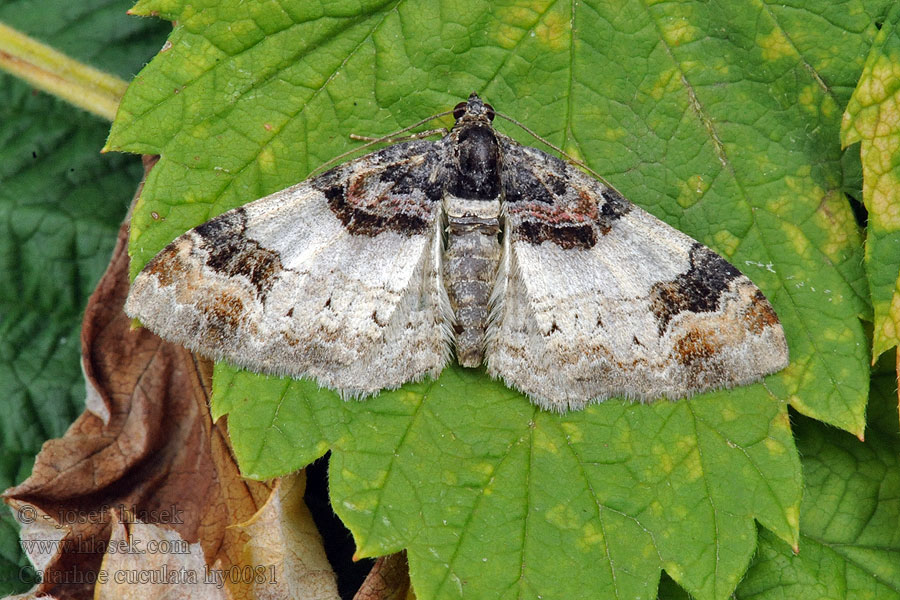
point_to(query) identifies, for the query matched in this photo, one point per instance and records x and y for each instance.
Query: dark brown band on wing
(569, 223)
(370, 222)
(564, 235)
(231, 253)
(549, 200)
(522, 185)
(614, 207)
(697, 290)
(369, 200)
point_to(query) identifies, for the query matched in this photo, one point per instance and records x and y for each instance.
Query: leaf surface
(848, 535)
(873, 118)
(721, 119)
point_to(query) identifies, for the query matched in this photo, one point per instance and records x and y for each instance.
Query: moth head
(473, 109)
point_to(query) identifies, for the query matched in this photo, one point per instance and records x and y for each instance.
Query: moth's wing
(597, 298)
(337, 278)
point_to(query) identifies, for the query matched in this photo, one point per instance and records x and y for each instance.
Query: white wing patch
(282, 286)
(369, 275)
(619, 302)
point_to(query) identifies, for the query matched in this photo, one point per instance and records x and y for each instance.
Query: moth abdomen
(471, 259)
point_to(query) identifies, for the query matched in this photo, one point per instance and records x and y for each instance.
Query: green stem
(57, 74)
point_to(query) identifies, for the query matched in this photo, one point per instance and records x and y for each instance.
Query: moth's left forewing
(336, 278)
(598, 298)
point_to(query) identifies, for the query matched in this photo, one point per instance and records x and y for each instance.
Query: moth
(376, 272)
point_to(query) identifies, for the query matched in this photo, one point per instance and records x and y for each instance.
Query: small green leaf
(873, 118)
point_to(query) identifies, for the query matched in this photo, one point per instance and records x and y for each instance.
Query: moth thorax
(471, 259)
(477, 163)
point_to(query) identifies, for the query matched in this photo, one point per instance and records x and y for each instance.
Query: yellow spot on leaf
(872, 90)
(543, 442)
(835, 219)
(573, 151)
(830, 335)
(553, 31)
(726, 241)
(829, 107)
(884, 202)
(690, 191)
(376, 482)
(808, 97)
(665, 463)
(591, 536)
(674, 571)
(562, 516)
(891, 311)
(773, 446)
(515, 21)
(698, 184)
(573, 432)
(486, 469)
(668, 80)
(778, 204)
(364, 503)
(728, 414)
(814, 101)
(679, 31)
(775, 45)
(895, 304)
(792, 514)
(507, 36)
(242, 28)
(883, 149)
(614, 134)
(266, 160)
(693, 466)
(794, 235)
(322, 447)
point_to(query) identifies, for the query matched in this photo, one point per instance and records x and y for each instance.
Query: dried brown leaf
(283, 534)
(145, 445)
(388, 580)
(131, 572)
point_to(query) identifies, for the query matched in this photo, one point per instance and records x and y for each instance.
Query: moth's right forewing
(598, 298)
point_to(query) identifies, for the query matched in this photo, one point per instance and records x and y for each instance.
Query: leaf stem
(55, 73)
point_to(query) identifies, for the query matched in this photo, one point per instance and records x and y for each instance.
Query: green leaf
(61, 203)
(873, 118)
(722, 119)
(849, 516)
(492, 496)
(708, 133)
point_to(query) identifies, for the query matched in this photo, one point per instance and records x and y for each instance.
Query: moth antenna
(380, 140)
(418, 135)
(562, 152)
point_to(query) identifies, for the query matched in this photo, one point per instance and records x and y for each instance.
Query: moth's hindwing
(337, 278)
(597, 298)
